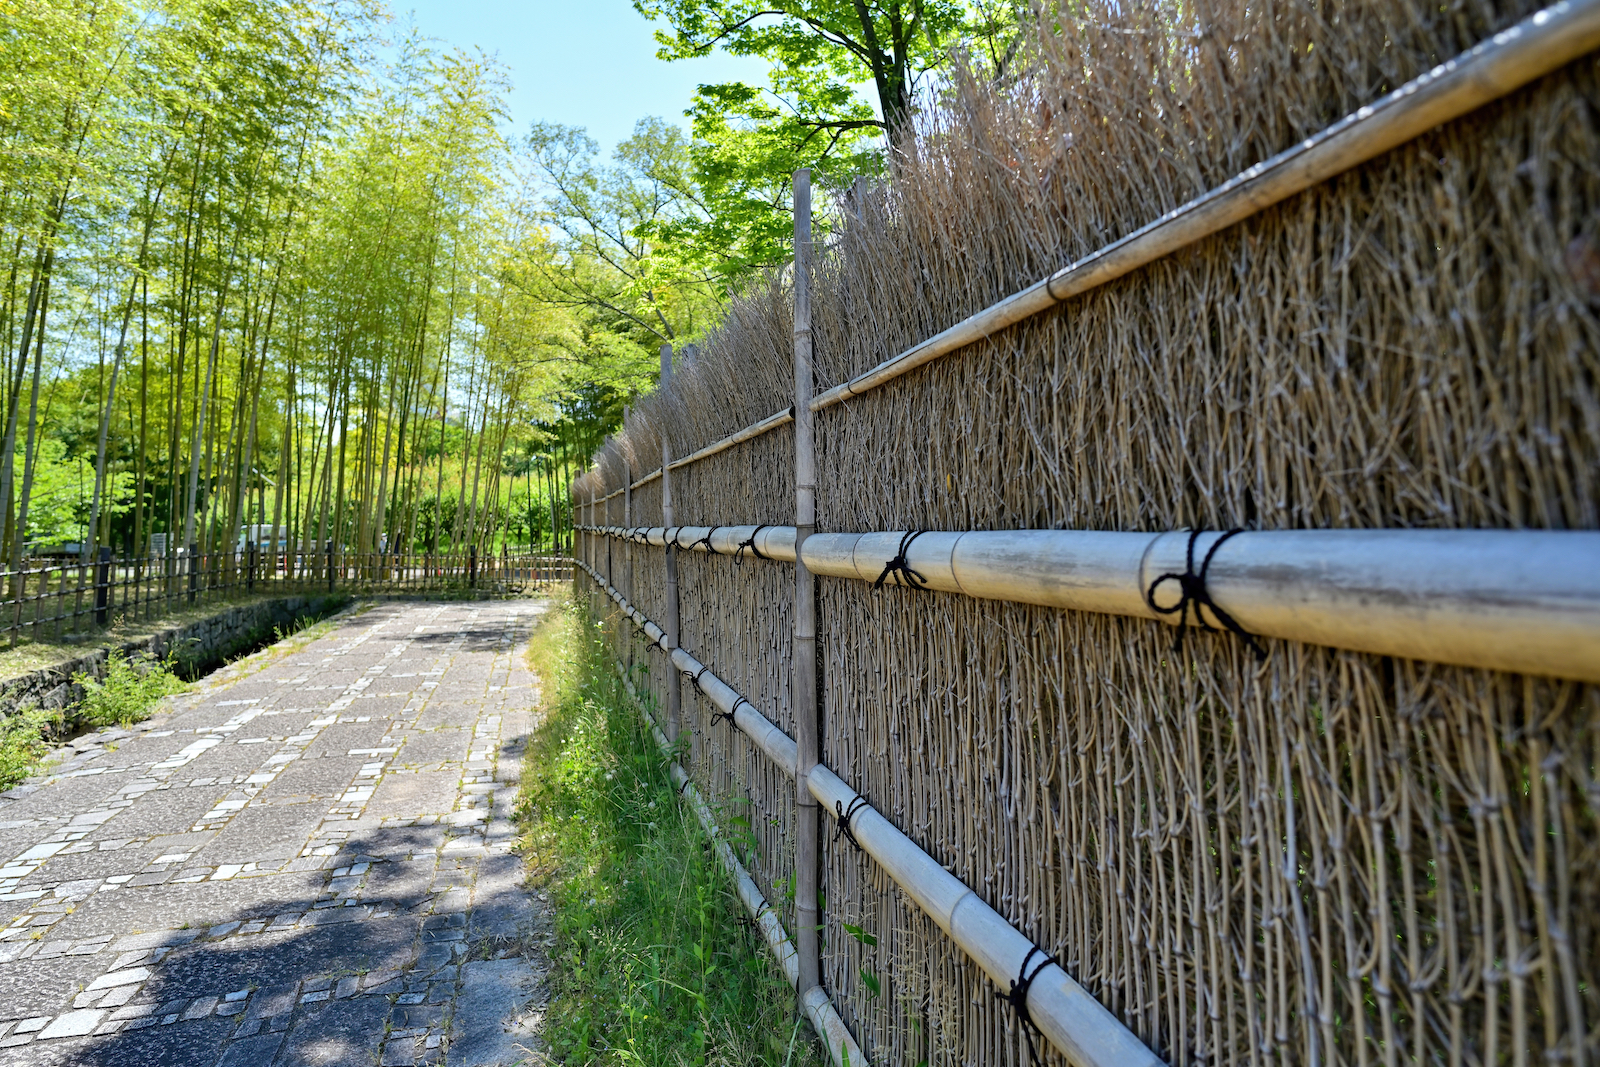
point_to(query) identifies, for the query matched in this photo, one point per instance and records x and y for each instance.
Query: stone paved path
(306, 862)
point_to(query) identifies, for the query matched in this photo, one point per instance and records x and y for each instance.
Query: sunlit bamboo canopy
(268, 268)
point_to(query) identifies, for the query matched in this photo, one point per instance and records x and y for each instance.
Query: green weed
(126, 695)
(651, 964)
(128, 692)
(289, 629)
(24, 742)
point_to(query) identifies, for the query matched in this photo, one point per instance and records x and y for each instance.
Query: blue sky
(587, 63)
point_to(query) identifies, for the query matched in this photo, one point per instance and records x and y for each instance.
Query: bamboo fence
(51, 599)
(1378, 353)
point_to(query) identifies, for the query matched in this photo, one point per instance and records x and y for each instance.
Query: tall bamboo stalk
(200, 417)
(144, 425)
(30, 453)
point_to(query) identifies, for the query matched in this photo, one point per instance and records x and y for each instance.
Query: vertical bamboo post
(627, 546)
(21, 588)
(596, 603)
(674, 690)
(803, 691)
(102, 587)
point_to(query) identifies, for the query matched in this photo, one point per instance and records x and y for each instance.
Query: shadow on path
(346, 895)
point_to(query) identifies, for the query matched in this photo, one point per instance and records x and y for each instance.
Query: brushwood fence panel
(1328, 856)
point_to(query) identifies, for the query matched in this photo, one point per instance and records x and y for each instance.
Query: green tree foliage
(820, 50)
(814, 113)
(63, 485)
(618, 262)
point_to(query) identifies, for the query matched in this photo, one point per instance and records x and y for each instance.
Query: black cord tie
(694, 679)
(900, 568)
(738, 554)
(1192, 584)
(727, 716)
(1017, 996)
(677, 532)
(706, 540)
(845, 815)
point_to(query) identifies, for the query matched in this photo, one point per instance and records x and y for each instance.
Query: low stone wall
(197, 645)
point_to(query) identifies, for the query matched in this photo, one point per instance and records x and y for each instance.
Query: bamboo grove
(267, 267)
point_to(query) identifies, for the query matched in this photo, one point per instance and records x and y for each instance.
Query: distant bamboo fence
(52, 598)
(1356, 826)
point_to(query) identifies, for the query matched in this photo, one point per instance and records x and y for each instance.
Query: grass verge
(651, 963)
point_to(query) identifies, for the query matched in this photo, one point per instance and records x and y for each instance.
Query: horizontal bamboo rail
(1536, 46)
(776, 745)
(819, 1009)
(769, 542)
(1515, 600)
(1076, 1023)
(771, 422)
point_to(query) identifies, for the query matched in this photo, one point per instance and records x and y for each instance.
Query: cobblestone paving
(306, 862)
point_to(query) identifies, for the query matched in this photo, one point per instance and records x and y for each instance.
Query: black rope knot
(750, 543)
(901, 568)
(728, 716)
(1017, 996)
(1192, 587)
(845, 815)
(694, 678)
(706, 540)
